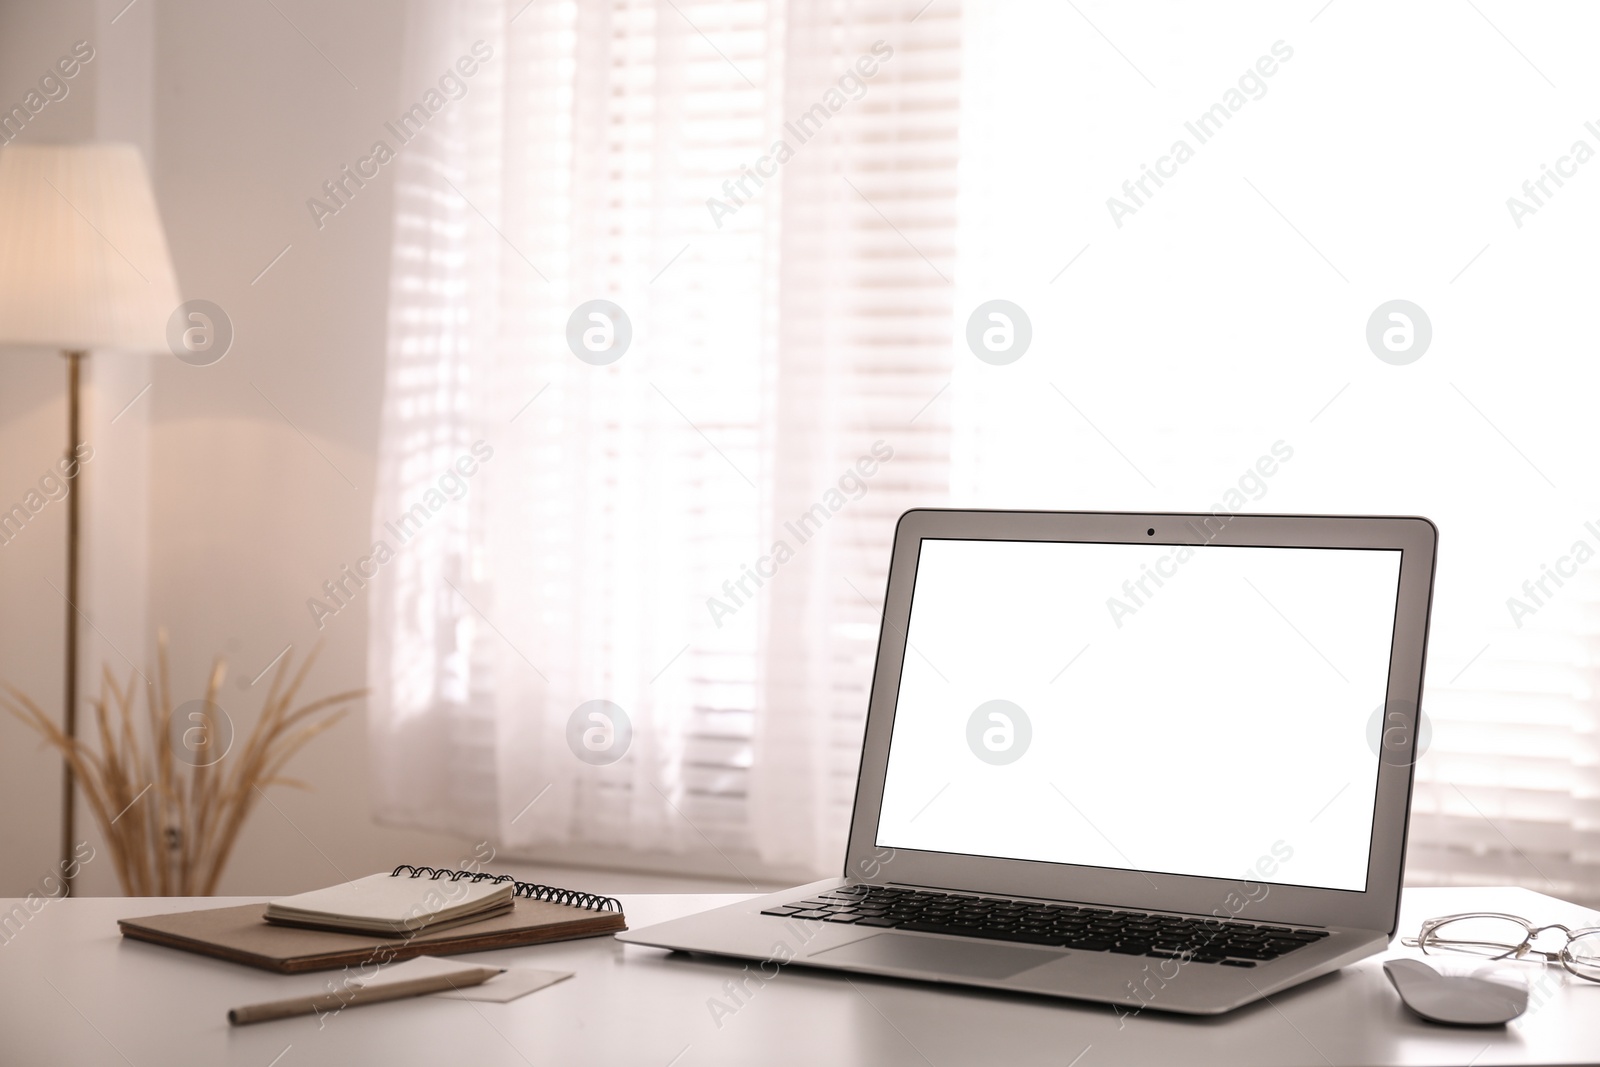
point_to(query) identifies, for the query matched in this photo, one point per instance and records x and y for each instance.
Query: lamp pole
(69, 717)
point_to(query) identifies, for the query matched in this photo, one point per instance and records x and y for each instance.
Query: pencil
(412, 987)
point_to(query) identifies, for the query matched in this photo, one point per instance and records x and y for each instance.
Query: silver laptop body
(1159, 761)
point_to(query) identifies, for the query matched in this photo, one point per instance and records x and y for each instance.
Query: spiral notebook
(243, 934)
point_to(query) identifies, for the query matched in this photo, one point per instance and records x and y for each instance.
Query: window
(789, 310)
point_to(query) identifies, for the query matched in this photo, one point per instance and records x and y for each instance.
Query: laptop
(1158, 761)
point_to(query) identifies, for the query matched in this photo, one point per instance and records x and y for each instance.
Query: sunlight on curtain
(1226, 309)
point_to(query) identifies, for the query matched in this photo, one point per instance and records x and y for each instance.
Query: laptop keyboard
(1206, 940)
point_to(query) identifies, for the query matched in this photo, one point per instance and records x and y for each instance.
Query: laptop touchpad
(966, 959)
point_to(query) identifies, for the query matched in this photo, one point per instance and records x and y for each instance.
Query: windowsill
(595, 868)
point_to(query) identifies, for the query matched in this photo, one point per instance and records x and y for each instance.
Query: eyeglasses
(1496, 936)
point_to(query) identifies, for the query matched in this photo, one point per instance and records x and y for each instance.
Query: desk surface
(72, 991)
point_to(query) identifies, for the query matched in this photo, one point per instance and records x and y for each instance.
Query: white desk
(72, 991)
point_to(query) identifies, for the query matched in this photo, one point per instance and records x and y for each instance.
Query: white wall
(242, 120)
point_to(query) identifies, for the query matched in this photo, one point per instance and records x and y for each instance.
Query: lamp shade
(83, 258)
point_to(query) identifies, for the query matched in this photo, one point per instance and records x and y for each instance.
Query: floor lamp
(83, 266)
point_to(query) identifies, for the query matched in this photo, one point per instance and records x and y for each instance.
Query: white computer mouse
(1459, 999)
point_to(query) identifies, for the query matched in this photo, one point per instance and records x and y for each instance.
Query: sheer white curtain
(695, 532)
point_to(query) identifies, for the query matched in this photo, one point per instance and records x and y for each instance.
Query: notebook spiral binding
(531, 890)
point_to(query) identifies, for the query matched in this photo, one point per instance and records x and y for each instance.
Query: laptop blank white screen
(1210, 711)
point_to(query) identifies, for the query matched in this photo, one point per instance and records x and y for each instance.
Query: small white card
(506, 986)
(510, 984)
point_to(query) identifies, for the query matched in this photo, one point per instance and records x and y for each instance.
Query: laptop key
(842, 917)
(1237, 963)
(783, 910)
(878, 920)
(810, 914)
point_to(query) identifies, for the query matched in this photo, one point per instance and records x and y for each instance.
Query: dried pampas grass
(171, 821)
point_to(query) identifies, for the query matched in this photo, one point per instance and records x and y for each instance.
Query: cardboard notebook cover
(240, 934)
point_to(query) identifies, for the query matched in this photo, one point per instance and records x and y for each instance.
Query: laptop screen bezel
(1375, 908)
